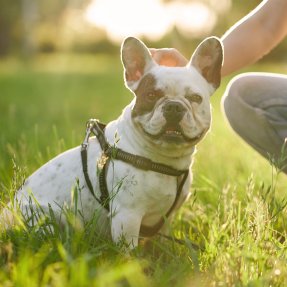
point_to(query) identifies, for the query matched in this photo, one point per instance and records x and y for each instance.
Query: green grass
(237, 213)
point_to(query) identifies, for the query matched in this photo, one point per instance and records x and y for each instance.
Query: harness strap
(103, 186)
(142, 162)
(97, 128)
(109, 152)
(147, 231)
(85, 170)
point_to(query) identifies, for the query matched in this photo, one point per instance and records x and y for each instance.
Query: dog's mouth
(175, 134)
(172, 134)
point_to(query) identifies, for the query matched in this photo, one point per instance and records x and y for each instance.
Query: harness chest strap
(109, 152)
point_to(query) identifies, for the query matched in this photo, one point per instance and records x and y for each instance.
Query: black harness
(112, 152)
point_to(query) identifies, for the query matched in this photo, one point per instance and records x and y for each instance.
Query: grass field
(237, 213)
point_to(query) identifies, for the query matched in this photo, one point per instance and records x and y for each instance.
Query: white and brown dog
(168, 116)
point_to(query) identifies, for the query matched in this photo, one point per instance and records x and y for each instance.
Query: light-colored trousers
(255, 104)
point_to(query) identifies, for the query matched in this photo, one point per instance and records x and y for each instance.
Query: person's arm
(255, 35)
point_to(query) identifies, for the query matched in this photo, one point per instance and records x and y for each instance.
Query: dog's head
(172, 103)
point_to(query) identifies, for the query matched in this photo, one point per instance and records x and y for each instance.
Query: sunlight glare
(221, 6)
(129, 17)
(192, 19)
(149, 18)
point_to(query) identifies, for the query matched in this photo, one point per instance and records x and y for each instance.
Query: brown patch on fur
(212, 73)
(146, 95)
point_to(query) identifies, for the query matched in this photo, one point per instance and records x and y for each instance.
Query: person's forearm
(254, 36)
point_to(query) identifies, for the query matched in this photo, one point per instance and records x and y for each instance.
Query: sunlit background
(31, 26)
(153, 18)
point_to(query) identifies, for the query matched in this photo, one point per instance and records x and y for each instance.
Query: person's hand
(168, 57)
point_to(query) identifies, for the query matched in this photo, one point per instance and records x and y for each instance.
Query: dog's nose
(173, 111)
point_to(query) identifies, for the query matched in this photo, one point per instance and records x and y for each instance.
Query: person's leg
(255, 105)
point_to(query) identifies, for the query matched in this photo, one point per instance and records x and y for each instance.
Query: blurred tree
(9, 23)
(19, 18)
(29, 13)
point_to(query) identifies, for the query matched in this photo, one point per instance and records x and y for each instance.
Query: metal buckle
(89, 126)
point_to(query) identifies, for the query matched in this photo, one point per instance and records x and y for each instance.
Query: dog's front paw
(125, 228)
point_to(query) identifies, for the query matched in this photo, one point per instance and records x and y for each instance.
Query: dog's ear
(136, 60)
(207, 59)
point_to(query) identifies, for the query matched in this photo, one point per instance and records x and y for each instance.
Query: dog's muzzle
(173, 111)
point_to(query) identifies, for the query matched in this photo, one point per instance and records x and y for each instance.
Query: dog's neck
(127, 136)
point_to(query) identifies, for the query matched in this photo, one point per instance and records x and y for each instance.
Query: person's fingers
(168, 57)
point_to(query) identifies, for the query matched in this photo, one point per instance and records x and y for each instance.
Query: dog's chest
(147, 192)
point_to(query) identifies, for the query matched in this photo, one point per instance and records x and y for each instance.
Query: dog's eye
(194, 98)
(151, 97)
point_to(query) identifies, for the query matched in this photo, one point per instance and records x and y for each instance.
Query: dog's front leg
(125, 225)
